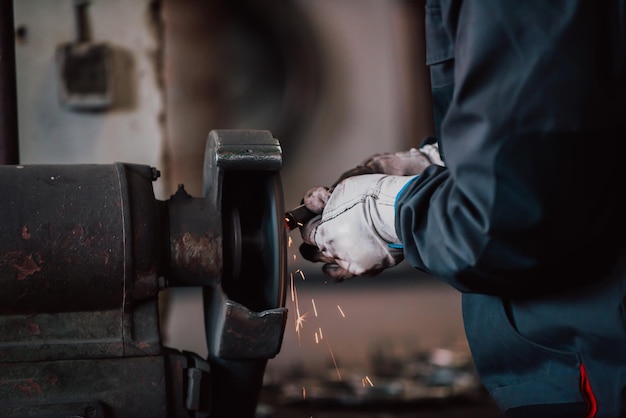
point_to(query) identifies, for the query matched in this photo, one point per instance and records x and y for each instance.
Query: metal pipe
(9, 145)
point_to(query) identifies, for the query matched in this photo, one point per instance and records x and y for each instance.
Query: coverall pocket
(439, 48)
(524, 378)
(440, 61)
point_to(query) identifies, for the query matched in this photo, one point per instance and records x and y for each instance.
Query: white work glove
(403, 163)
(355, 234)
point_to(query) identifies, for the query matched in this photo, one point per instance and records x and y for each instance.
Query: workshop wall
(130, 129)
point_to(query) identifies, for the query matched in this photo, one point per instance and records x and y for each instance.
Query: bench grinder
(85, 250)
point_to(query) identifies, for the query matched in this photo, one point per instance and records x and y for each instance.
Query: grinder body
(85, 250)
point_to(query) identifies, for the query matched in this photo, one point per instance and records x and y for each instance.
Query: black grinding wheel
(253, 239)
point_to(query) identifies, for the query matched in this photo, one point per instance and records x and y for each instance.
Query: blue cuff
(400, 246)
(403, 189)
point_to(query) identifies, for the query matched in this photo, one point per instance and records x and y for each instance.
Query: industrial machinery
(84, 252)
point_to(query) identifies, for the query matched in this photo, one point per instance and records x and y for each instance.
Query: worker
(522, 210)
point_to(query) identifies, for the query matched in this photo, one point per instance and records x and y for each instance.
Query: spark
(300, 322)
(321, 336)
(289, 242)
(293, 289)
(301, 274)
(294, 257)
(299, 317)
(314, 308)
(295, 293)
(341, 311)
(303, 392)
(367, 380)
(317, 341)
(332, 355)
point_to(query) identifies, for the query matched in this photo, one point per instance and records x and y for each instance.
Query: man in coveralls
(527, 216)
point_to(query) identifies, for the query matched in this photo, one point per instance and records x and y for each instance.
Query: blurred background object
(335, 81)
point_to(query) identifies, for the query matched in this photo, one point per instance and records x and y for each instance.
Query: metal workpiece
(85, 250)
(298, 217)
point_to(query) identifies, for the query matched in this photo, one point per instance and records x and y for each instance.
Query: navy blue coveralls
(528, 217)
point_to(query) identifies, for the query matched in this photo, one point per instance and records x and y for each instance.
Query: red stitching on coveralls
(587, 392)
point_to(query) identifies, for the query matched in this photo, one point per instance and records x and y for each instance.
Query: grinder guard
(85, 250)
(245, 314)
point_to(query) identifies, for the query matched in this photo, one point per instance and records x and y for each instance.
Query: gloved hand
(404, 163)
(355, 234)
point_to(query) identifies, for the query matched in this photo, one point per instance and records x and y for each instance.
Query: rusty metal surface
(82, 254)
(195, 228)
(43, 336)
(79, 262)
(114, 384)
(61, 239)
(68, 233)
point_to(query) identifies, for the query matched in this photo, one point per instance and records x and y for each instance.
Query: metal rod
(9, 145)
(83, 32)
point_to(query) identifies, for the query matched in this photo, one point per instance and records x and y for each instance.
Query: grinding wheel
(251, 237)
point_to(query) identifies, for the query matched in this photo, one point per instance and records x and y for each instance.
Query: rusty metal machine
(84, 252)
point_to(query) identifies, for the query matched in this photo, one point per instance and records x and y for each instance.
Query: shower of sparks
(299, 324)
(366, 380)
(332, 355)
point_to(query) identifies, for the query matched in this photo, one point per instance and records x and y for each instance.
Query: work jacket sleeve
(534, 137)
